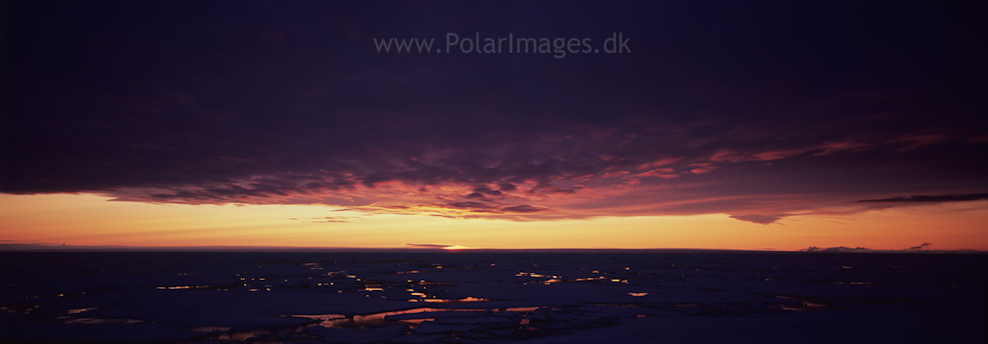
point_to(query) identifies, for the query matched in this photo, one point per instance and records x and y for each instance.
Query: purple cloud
(271, 106)
(928, 198)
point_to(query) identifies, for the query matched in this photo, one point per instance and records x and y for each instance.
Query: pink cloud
(664, 173)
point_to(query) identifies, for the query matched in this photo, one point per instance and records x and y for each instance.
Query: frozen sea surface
(492, 297)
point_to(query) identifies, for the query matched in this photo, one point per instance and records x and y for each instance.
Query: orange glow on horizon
(90, 220)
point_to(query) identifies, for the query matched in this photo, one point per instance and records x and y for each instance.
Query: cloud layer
(716, 110)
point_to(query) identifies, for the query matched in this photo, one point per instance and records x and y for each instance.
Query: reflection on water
(339, 320)
(517, 309)
(93, 321)
(552, 279)
(208, 329)
(535, 275)
(186, 287)
(80, 310)
(469, 300)
(244, 336)
(403, 316)
(21, 308)
(465, 299)
(807, 304)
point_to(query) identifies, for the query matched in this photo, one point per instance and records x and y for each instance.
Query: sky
(700, 124)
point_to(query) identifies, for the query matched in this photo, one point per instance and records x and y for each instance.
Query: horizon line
(21, 247)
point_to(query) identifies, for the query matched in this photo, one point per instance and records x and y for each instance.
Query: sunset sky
(737, 125)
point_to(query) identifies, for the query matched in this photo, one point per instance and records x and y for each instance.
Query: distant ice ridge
(463, 297)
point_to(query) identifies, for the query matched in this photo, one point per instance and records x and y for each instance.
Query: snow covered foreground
(491, 297)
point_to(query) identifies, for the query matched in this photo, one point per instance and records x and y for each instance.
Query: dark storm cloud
(837, 249)
(928, 199)
(487, 191)
(475, 206)
(753, 110)
(475, 195)
(430, 245)
(922, 248)
(508, 187)
(523, 209)
(326, 219)
(759, 219)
